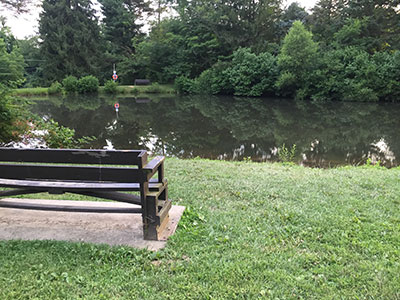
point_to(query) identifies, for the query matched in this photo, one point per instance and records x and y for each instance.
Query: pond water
(230, 128)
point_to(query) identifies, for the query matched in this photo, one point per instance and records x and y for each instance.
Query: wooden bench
(142, 82)
(107, 174)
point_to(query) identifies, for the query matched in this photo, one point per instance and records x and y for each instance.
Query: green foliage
(110, 87)
(7, 116)
(296, 59)
(11, 66)
(88, 84)
(30, 50)
(38, 91)
(57, 136)
(154, 88)
(70, 39)
(287, 155)
(120, 24)
(184, 85)
(55, 88)
(234, 23)
(251, 74)
(215, 80)
(387, 77)
(205, 47)
(70, 84)
(349, 34)
(347, 74)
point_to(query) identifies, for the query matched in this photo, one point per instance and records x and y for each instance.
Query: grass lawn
(122, 89)
(250, 231)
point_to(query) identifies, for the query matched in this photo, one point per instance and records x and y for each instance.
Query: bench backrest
(142, 82)
(71, 164)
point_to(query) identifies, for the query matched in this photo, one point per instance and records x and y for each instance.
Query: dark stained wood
(76, 173)
(120, 197)
(76, 186)
(152, 167)
(69, 208)
(78, 156)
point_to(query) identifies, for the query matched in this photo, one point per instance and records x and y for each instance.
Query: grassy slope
(251, 231)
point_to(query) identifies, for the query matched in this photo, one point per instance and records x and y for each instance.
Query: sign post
(115, 76)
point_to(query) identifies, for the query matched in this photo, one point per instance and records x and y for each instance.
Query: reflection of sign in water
(115, 76)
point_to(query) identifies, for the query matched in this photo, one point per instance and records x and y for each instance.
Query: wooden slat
(61, 172)
(75, 186)
(78, 156)
(152, 167)
(69, 208)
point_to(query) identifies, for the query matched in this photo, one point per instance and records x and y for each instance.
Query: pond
(230, 128)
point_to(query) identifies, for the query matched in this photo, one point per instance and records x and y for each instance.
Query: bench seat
(76, 186)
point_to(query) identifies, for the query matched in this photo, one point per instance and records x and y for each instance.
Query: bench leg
(155, 213)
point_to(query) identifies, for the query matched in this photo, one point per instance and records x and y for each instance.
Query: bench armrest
(153, 166)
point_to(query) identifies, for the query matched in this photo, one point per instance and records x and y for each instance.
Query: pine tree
(121, 23)
(71, 42)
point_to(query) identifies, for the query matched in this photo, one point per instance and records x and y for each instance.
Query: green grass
(39, 91)
(150, 89)
(250, 231)
(122, 89)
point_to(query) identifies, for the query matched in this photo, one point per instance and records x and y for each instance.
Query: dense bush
(215, 80)
(387, 79)
(7, 116)
(347, 74)
(110, 87)
(252, 74)
(184, 85)
(55, 88)
(88, 84)
(58, 136)
(70, 84)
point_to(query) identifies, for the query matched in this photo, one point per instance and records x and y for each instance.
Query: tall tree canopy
(71, 41)
(121, 23)
(236, 23)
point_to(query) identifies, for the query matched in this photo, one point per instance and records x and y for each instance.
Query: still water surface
(325, 134)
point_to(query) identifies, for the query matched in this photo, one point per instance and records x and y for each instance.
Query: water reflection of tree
(227, 127)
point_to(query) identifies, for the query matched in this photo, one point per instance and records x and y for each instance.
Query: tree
(120, 23)
(122, 31)
(251, 74)
(11, 75)
(71, 43)
(381, 20)
(296, 59)
(20, 6)
(235, 23)
(294, 12)
(30, 50)
(326, 19)
(11, 66)
(174, 49)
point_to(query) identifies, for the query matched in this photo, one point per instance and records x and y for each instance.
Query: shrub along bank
(250, 230)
